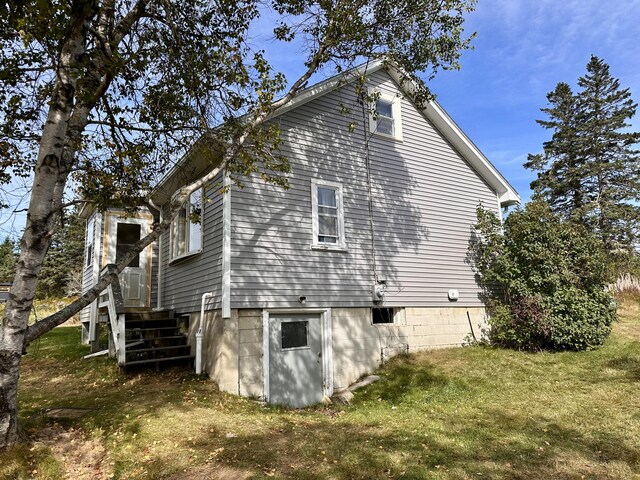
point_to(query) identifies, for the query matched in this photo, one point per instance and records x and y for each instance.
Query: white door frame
(109, 251)
(327, 346)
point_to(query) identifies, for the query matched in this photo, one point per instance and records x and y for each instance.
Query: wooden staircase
(139, 337)
(154, 338)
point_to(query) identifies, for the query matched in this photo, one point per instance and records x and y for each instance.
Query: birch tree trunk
(44, 206)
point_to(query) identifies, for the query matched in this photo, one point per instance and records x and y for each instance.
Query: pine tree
(590, 169)
(561, 183)
(64, 258)
(613, 168)
(8, 258)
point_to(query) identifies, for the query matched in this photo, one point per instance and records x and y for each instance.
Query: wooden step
(164, 338)
(149, 315)
(159, 349)
(151, 323)
(152, 361)
(150, 329)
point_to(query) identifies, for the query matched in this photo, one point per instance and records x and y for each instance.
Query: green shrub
(545, 280)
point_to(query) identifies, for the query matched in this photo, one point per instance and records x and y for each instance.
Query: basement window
(387, 315)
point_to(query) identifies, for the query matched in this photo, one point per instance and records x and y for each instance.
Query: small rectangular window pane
(127, 234)
(382, 315)
(180, 233)
(89, 242)
(294, 334)
(195, 237)
(326, 239)
(327, 225)
(326, 197)
(385, 125)
(384, 108)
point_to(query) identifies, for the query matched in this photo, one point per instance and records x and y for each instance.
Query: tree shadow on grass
(630, 365)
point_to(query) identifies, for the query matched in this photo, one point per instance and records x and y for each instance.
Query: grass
(451, 414)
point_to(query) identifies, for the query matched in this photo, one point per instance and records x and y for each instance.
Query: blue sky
(522, 50)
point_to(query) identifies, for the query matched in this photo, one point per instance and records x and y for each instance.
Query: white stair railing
(111, 299)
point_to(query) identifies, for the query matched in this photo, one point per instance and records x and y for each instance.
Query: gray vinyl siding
(184, 281)
(424, 199)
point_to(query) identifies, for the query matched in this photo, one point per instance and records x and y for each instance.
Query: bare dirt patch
(80, 457)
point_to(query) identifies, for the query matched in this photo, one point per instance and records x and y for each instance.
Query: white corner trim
(95, 274)
(327, 353)
(226, 248)
(265, 353)
(160, 265)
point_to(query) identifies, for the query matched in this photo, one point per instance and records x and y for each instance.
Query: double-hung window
(328, 217)
(385, 119)
(186, 229)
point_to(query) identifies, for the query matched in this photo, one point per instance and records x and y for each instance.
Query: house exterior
(306, 289)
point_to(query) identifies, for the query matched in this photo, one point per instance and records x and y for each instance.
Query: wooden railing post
(115, 307)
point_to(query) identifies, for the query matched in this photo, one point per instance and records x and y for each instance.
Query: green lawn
(451, 414)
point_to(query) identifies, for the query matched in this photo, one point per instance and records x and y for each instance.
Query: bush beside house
(545, 280)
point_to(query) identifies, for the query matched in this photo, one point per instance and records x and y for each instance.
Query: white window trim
(172, 234)
(342, 242)
(396, 108)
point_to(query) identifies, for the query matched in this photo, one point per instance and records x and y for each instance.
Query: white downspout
(205, 296)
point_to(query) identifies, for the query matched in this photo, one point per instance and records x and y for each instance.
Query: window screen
(294, 334)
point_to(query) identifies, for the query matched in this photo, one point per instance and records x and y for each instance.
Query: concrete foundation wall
(359, 347)
(250, 352)
(233, 348)
(219, 347)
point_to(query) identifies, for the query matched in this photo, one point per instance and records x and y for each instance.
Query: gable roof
(507, 195)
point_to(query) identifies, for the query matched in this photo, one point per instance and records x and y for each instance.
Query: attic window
(186, 229)
(385, 119)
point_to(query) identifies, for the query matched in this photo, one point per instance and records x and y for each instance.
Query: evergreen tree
(613, 166)
(63, 261)
(8, 258)
(561, 182)
(590, 169)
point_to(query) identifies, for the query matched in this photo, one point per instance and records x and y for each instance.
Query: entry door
(295, 359)
(123, 233)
